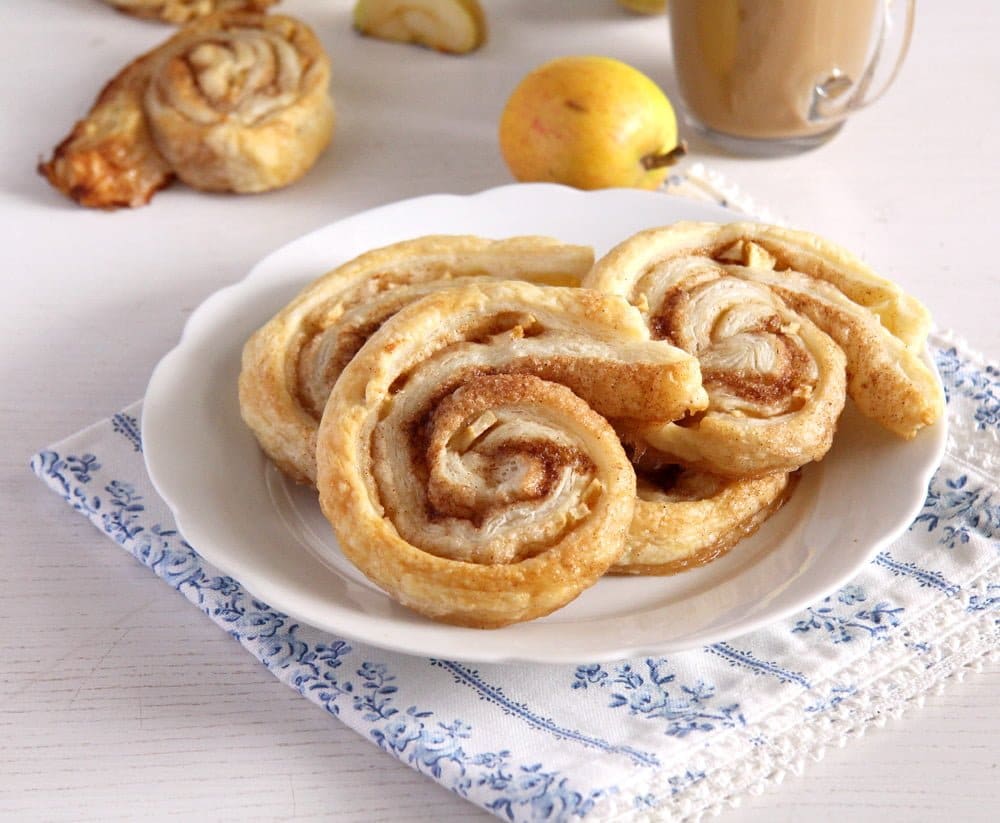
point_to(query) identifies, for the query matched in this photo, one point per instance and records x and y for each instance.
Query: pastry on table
(464, 458)
(292, 362)
(234, 102)
(183, 11)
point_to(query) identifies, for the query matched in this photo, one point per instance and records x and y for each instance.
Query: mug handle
(837, 96)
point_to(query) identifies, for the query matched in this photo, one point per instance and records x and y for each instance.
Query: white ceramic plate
(241, 515)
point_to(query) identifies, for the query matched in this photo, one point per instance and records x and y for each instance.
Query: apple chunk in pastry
(887, 380)
(464, 459)
(236, 101)
(292, 362)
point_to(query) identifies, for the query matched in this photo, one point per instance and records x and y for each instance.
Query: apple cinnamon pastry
(775, 381)
(464, 458)
(292, 362)
(686, 518)
(183, 11)
(237, 101)
(880, 329)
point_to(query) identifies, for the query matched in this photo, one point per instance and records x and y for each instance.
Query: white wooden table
(121, 701)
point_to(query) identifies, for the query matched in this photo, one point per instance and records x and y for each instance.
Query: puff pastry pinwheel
(292, 362)
(183, 11)
(775, 381)
(237, 101)
(686, 518)
(880, 329)
(464, 458)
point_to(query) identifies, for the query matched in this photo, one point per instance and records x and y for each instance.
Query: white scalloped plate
(242, 516)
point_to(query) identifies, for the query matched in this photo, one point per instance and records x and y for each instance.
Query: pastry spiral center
(752, 361)
(246, 74)
(492, 469)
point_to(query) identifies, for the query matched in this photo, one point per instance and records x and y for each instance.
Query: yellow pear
(454, 26)
(589, 122)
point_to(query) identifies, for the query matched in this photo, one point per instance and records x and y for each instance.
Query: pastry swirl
(183, 11)
(291, 363)
(464, 459)
(881, 329)
(235, 101)
(886, 379)
(775, 382)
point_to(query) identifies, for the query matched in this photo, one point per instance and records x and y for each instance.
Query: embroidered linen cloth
(642, 738)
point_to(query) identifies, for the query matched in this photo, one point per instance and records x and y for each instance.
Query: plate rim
(264, 272)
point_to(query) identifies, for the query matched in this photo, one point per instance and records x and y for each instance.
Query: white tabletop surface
(119, 700)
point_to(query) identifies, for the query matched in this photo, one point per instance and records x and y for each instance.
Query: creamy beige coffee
(752, 68)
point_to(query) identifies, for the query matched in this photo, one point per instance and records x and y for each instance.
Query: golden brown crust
(692, 518)
(887, 381)
(292, 362)
(184, 11)
(235, 101)
(775, 382)
(818, 291)
(468, 487)
(109, 160)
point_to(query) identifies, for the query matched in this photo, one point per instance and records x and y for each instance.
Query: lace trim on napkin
(965, 638)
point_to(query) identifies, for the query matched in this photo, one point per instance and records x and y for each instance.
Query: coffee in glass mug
(770, 76)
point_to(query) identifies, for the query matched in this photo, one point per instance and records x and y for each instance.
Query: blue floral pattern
(517, 791)
(981, 385)
(597, 738)
(495, 694)
(842, 625)
(652, 695)
(127, 425)
(987, 602)
(748, 661)
(959, 509)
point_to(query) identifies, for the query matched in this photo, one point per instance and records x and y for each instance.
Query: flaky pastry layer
(692, 518)
(292, 362)
(464, 459)
(881, 329)
(775, 382)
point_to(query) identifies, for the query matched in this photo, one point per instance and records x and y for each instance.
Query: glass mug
(770, 77)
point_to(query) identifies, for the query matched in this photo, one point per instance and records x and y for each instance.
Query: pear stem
(659, 161)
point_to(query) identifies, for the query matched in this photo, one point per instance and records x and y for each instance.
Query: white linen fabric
(637, 739)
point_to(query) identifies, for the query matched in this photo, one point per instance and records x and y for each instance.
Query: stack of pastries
(493, 425)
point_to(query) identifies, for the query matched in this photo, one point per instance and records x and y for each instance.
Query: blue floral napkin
(648, 737)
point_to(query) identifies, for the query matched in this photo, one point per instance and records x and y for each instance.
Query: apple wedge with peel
(453, 26)
(644, 6)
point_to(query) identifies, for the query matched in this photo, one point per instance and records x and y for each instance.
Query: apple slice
(454, 26)
(644, 6)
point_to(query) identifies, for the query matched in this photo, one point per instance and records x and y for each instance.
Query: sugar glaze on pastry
(686, 518)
